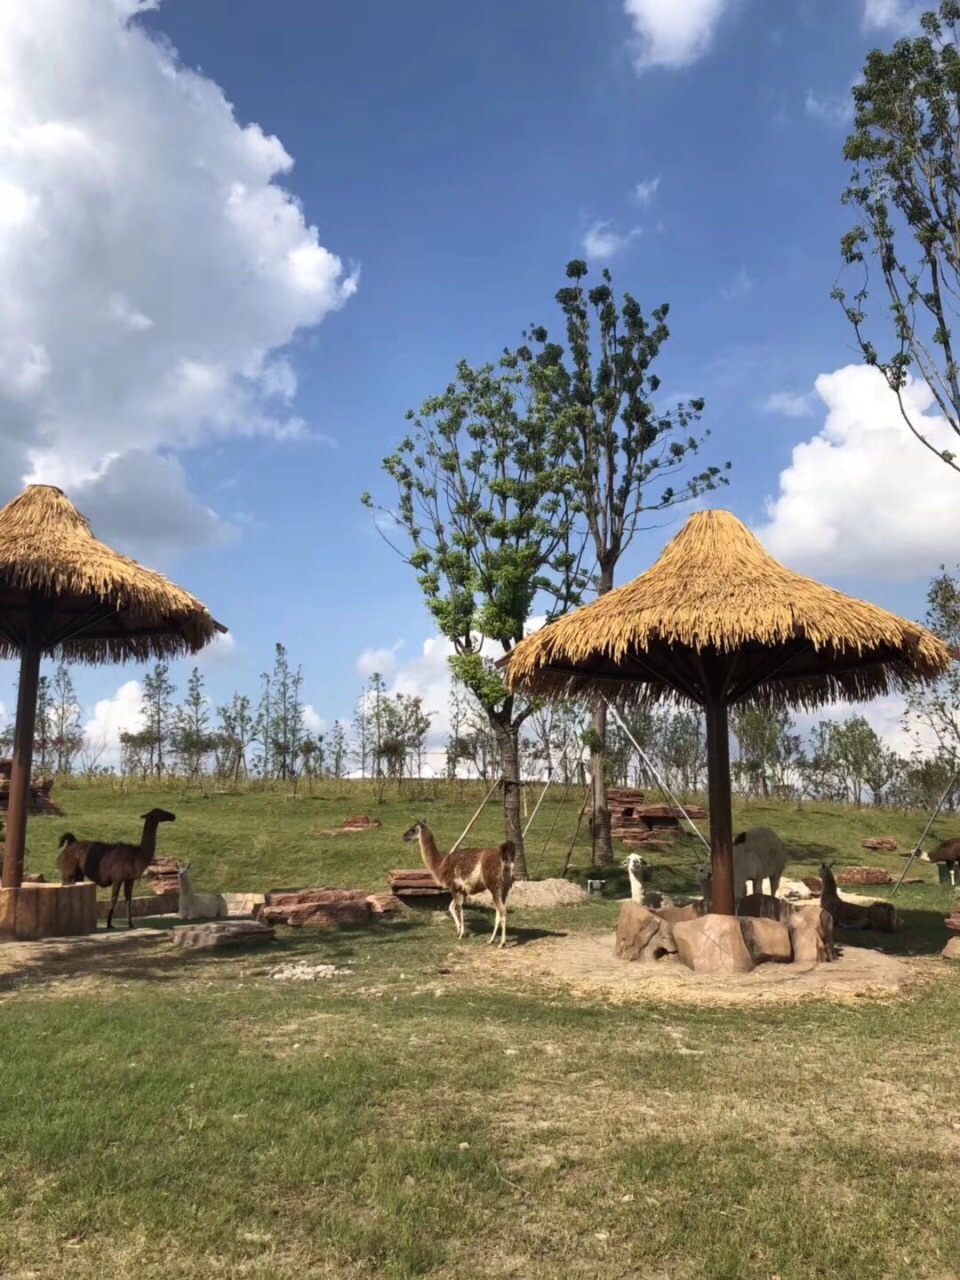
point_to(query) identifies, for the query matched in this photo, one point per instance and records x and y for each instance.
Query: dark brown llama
(469, 871)
(112, 865)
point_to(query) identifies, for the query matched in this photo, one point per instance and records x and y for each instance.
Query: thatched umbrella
(717, 621)
(64, 594)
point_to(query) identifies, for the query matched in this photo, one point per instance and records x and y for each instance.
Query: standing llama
(469, 871)
(112, 865)
(758, 854)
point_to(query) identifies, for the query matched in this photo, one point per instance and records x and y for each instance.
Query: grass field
(436, 1111)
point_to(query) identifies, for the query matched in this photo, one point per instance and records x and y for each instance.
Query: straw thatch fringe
(88, 603)
(715, 591)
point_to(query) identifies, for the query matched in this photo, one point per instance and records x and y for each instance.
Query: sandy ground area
(537, 895)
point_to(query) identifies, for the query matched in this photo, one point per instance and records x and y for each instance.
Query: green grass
(434, 1112)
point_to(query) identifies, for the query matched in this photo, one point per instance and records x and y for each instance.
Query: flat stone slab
(222, 933)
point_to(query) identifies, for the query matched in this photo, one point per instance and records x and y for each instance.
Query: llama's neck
(431, 855)
(186, 886)
(148, 842)
(636, 886)
(828, 891)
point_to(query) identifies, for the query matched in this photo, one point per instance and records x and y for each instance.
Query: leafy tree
(361, 734)
(482, 482)
(338, 749)
(629, 456)
(282, 727)
(67, 735)
(767, 750)
(157, 706)
(43, 731)
(237, 731)
(905, 186)
(192, 738)
(936, 707)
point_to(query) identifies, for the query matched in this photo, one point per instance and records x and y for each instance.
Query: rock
(690, 911)
(863, 875)
(713, 944)
(382, 904)
(880, 842)
(814, 884)
(636, 928)
(794, 889)
(953, 922)
(811, 934)
(767, 939)
(952, 950)
(333, 913)
(763, 906)
(222, 933)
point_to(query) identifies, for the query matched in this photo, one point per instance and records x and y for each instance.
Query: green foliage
(767, 750)
(192, 738)
(936, 708)
(905, 185)
(483, 502)
(625, 451)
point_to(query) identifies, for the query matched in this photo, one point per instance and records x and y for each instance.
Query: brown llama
(879, 915)
(112, 865)
(469, 871)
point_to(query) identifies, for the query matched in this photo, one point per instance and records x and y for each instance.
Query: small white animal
(198, 906)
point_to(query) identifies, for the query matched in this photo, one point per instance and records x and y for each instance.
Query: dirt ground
(585, 963)
(537, 895)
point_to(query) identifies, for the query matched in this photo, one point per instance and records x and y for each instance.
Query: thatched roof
(714, 607)
(91, 604)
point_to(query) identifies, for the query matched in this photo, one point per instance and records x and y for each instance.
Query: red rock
(767, 940)
(713, 944)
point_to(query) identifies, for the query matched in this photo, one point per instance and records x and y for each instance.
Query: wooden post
(19, 802)
(721, 815)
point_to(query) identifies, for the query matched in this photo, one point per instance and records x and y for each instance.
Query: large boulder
(223, 933)
(952, 950)
(713, 944)
(767, 940)
(673, 915)
(642, 934)
(811, 933)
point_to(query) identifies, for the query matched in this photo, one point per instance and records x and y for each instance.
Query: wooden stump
(48, 911)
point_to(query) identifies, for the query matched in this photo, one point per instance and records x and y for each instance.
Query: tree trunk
(721, 819)
(602, 840)
(509, 747)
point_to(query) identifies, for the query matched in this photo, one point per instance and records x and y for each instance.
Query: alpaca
(112, 865)
(469, 871)
(198, 906)
(878, 915)
(758, 855)
(652, 898)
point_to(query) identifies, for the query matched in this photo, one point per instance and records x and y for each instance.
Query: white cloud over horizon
(893, 15)
(792, 404)
(835, 109)
(645, 190)
(154, 270)
(863, 496)
(674, 34)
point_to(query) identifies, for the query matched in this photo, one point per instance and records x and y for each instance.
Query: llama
(198, 906)
(112, 865)
(878, 915)
(652, 898)
(758, 855)
(469, 871)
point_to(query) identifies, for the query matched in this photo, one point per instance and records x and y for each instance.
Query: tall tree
(338, 750)
(361, 734)
(935, 709)
(157, 706)
(192, 738)
(43, 730)
(483, 482)
(283, 729)
(630, 455)
(237, 731)
(65, 720)
(905, 186)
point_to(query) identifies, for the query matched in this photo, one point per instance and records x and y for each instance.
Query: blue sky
(453, 158)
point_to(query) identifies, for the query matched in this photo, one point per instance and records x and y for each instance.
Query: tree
(66, 732)
(818, 766)
(628, 455)
(237, 731)
(43, 730)
(361, 734)
(157, 706)
(192, 738)
(483, 482)
(936, 707)
(767, 750)
(905, 185)
(338, 750)
(282, 731)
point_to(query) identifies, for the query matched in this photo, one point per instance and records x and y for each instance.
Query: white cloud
(742, 284)
(601, 242)
(892, 15)
(123, 713)
(220, 652)
(645, 190)
(379, 661)
(153, 266)
(828, 108)
(790, 403)
(863, 496)
(884, 715)
(312, 722)
(673, 33)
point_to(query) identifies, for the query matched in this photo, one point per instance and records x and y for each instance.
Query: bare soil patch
(537, 895)
(586, 963)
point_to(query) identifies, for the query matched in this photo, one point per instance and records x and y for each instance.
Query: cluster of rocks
(768, 930)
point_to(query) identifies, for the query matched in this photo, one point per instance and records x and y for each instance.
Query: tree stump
(48, 911)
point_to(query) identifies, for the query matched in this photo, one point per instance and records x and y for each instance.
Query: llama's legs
(128, 894)
(499, 920)
(453, 914)
(113, 904)
(774, 884)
